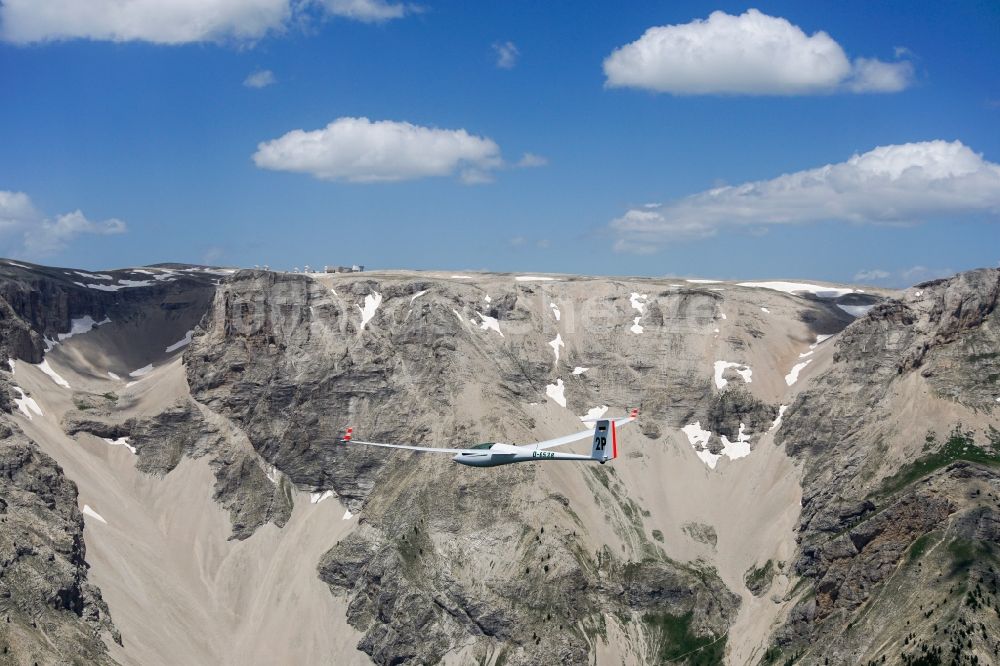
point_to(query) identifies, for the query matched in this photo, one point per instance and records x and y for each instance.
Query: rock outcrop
(48, 609)
(880, 486)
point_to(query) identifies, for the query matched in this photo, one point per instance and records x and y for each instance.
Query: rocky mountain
(900, 530)
(813, 478)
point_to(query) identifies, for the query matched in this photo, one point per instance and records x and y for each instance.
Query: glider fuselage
(507, 454)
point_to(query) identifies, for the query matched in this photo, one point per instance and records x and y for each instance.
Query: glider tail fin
(347, 436)
(605, 445)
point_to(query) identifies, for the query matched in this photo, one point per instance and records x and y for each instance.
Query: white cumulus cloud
(158, 21)
(24, 230)
(507, 54)
(904, 183)
(749, 54)
(363, 151)
(262, 78)
(176, 21)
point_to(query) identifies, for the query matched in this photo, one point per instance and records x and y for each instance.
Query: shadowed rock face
(737, 406)
(887, 509)
(39, 302)
(242, 485)
(48, 610)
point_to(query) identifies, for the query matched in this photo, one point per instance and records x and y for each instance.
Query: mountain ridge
(599, 564)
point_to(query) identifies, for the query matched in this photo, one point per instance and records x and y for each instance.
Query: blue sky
(154, 143)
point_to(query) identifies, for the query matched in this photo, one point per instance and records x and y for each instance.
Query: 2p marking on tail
(599, 449)
(601, 432)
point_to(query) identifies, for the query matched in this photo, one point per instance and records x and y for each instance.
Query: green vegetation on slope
(919, 546)
(960, 446)
(673, 635)
(758, 579)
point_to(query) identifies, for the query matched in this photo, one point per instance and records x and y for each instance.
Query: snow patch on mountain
(372, 301)
(81, 325)
(183, 342)
(556, 344)
(793, 375)
(594, 413)
(47, 369)
(557, 392)
(142, 372)
(26, 404)
(121, 441)
(87, 511)
(795, 287)
(742, 370)
(489, 323)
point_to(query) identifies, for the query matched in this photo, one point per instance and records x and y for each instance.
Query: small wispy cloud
(212, 255)
(871, 275)
(53, 236)
(369, 11)
(520, 242)
(25, 230)
(901, 277)
(507, 54)
(530, 160)
(917, 274)
(262, 78)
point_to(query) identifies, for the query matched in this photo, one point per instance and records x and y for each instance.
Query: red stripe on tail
(348, 434)
(614, 441)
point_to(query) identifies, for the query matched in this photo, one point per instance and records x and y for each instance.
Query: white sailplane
(604, 446)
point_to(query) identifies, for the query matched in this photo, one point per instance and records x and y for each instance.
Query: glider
(604, 446)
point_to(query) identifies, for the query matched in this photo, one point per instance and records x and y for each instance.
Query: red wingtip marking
(614, 441)
(635, 413)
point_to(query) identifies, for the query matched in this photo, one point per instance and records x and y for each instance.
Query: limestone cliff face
(294, 360)
(901, 477)
(38, 303)
(669, 553)
(447, 557)
(48, 609)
